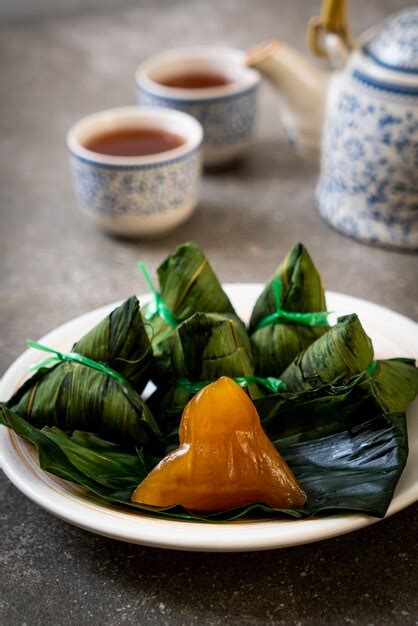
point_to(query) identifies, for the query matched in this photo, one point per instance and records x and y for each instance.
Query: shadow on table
(266, 159)
(213, 225)
(221, 220)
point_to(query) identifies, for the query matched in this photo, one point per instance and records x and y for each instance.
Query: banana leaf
(290, 418)
(276, 345)
(394, 382)
(187, 285)
(54, 460)
(73, 396)
(203, 348)
(103, 461)
(344, 350)
(354, 469)
(357, 468)
(121, 341)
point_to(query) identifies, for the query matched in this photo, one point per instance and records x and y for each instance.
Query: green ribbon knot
(159, 306)
(317, 318)
(75, 357)
(270, 383)
(371, 368)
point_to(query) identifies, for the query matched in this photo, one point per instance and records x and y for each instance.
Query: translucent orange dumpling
(224, 460)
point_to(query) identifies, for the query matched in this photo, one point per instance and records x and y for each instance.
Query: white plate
(392, 335)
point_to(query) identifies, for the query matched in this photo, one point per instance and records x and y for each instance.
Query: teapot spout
(302, 89)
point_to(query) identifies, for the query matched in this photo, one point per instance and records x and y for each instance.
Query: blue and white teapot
(362, 118)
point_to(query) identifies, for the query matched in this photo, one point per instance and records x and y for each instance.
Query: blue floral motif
(395, 44)
(112, 190)
(368, 186)
(226, 121)
(354, 148)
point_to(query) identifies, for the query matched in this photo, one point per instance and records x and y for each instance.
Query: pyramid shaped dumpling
(224, 460)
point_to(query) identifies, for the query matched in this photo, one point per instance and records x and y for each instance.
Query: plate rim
(145, 530)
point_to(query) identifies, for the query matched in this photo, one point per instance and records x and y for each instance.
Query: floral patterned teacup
(137, 195)
(227, 112)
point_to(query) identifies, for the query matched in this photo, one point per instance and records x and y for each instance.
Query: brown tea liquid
(195, 80)
(134, 142)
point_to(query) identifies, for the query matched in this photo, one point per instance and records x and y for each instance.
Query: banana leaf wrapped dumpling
(276, 344)
(121, 341)
(394, 383)
(75, 396)
(387, 387)
(204, 348)
(187, 285)
(342, 352)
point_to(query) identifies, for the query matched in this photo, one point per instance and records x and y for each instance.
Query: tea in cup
(213, 85)
(137, 170)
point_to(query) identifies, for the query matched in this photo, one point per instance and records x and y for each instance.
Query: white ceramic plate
(392, 335)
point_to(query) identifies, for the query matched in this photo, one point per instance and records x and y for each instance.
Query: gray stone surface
(58, 64)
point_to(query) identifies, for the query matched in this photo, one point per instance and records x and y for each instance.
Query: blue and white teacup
(226, 112)
(137, 195)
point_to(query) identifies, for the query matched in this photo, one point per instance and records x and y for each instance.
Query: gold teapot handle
(333, 19)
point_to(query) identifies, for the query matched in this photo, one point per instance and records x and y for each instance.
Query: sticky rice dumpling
(188, 285)
(394, 383)
(203, 348)
(275, 345)
(343, 351)
(121, 341)
(224, 460)
(74, 396)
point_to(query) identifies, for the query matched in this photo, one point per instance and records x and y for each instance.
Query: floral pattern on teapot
(368, 186)
(363, 116)
(395, 45)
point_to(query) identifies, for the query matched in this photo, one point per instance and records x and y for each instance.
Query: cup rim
(193, 135)
(250, 76)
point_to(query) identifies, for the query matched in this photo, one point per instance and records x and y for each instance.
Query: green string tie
(371, 368)
(270, 383)
(78, 358)
(160, 308)
(318, 318)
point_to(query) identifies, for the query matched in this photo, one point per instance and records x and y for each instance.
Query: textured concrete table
(65, 63)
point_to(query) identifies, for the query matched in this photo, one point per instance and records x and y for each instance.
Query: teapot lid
(394, 44)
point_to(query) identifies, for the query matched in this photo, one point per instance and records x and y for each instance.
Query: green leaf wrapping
(357, 468)
(52, 459)
(187, 285)
(103, 461)
(276, 345)
(73, 396)
(313, 413)
(121, 341)
(394, 382)
(343, 351)
(204, 347)
(354, 469)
